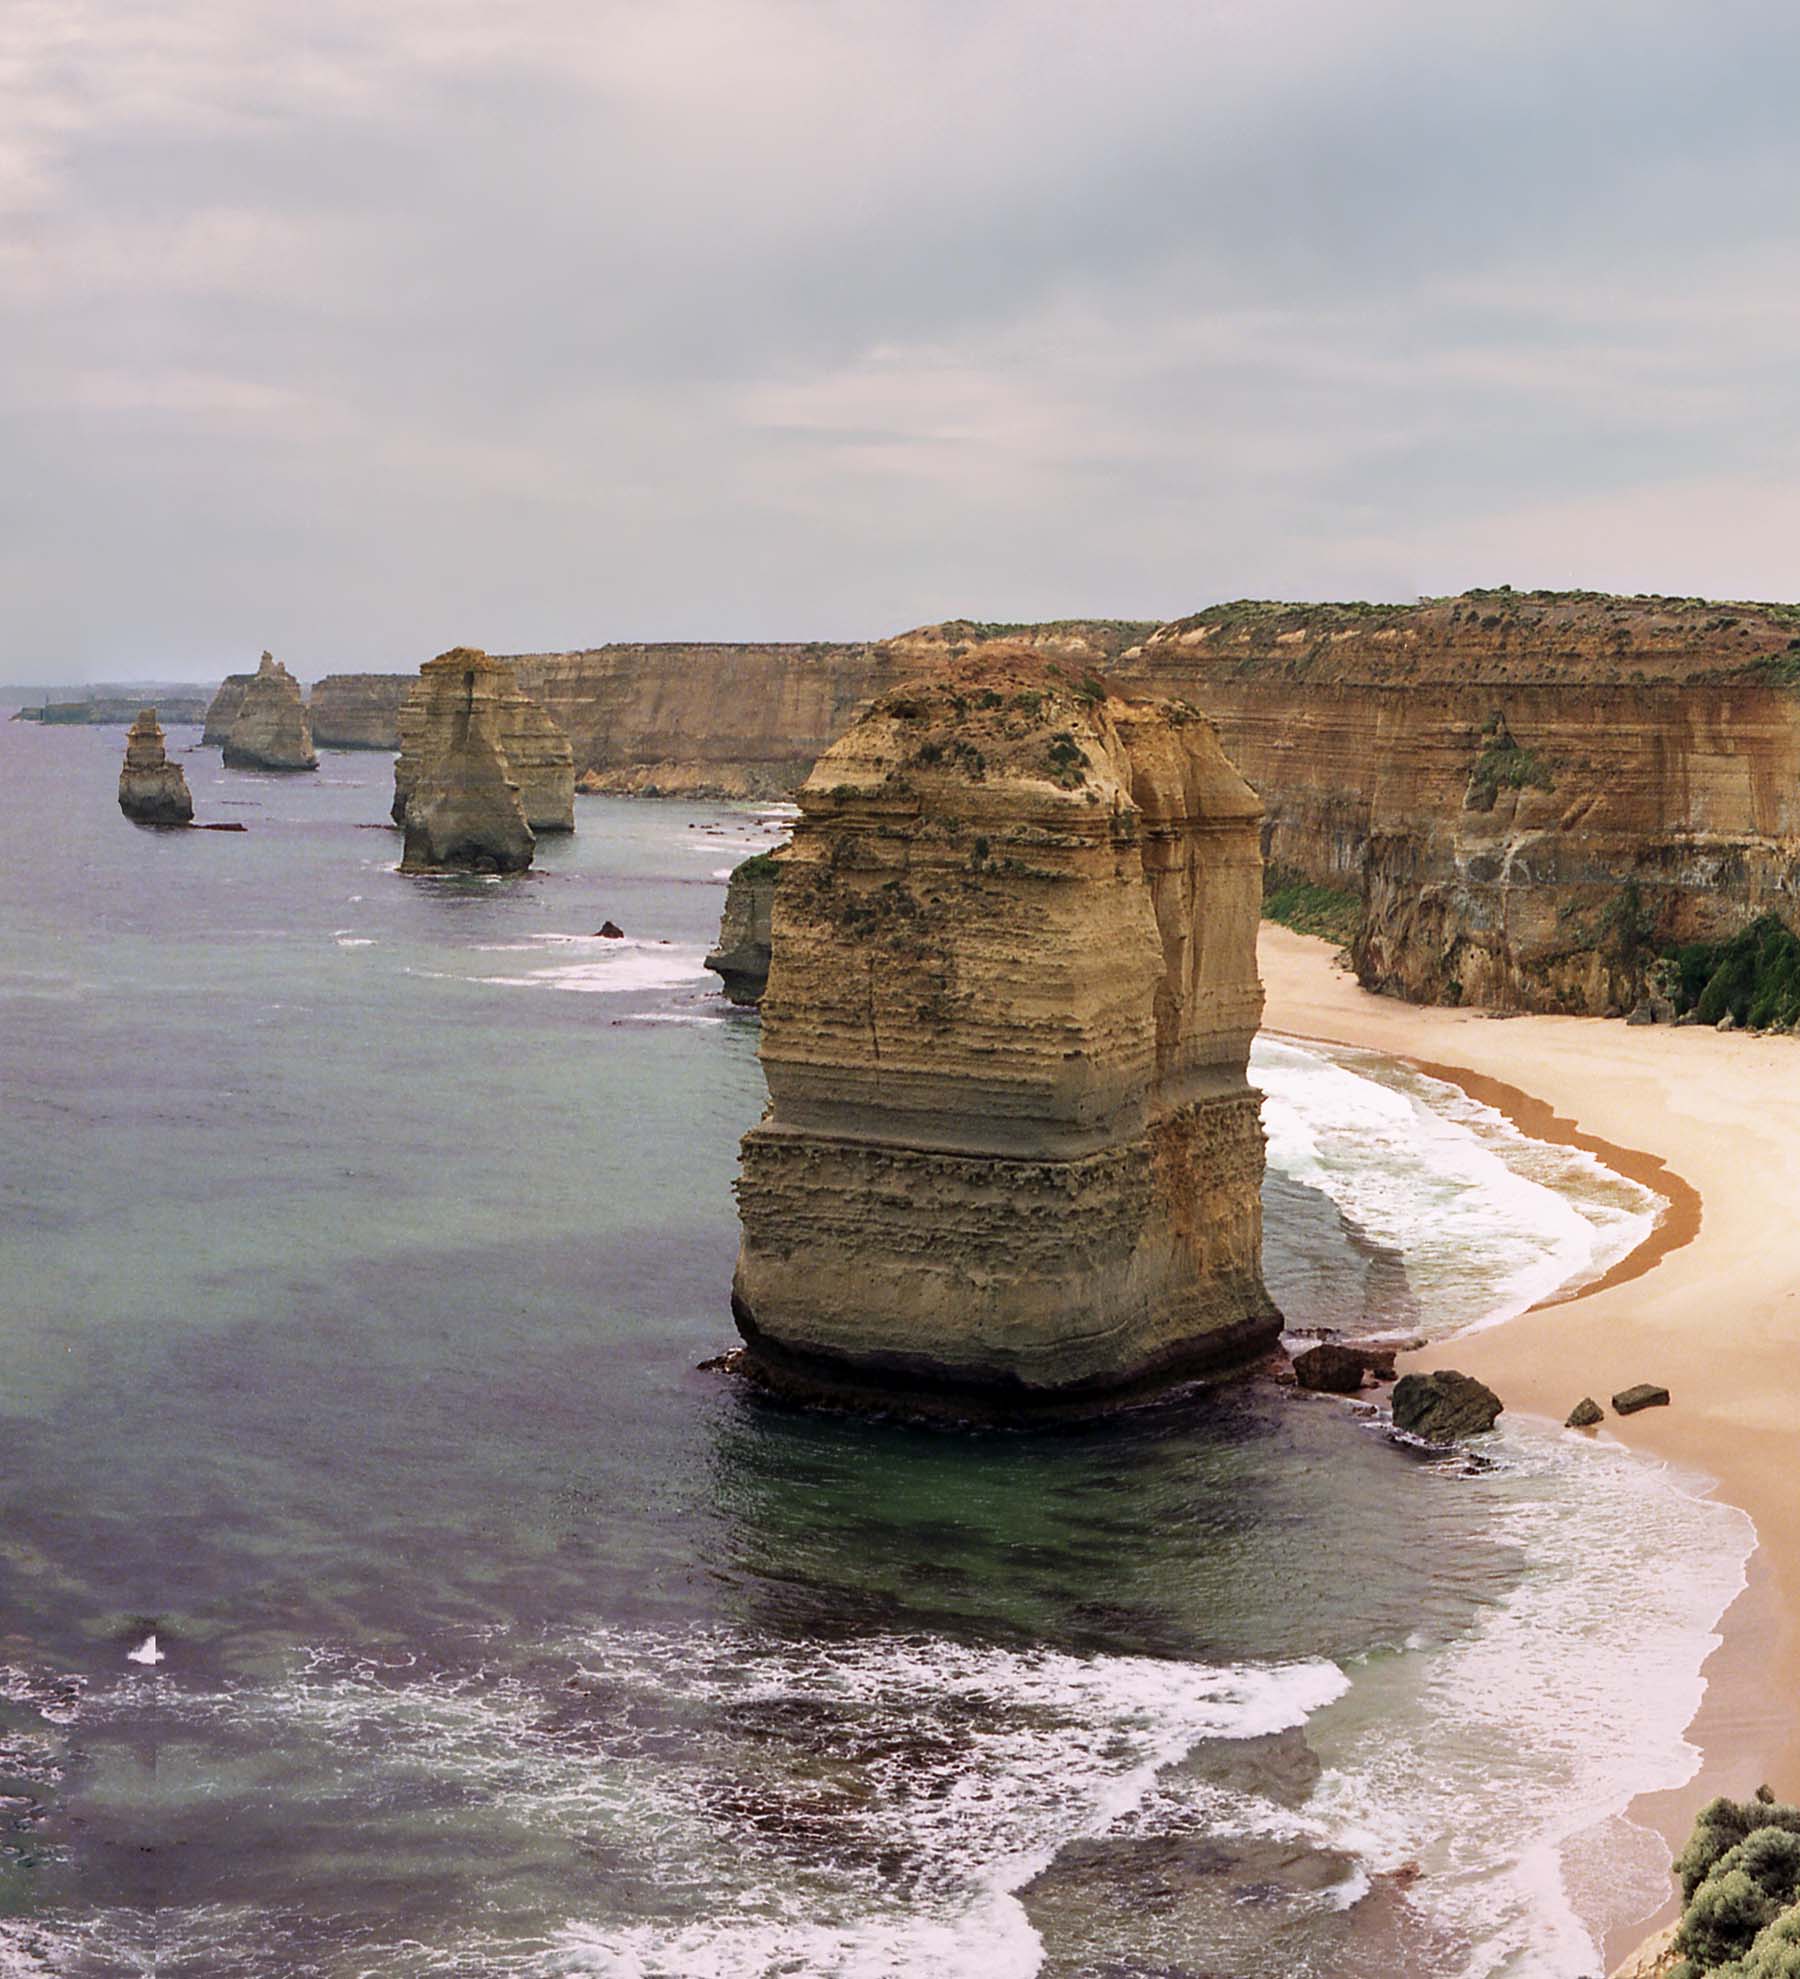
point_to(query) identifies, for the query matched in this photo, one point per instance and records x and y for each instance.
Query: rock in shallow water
(1584, 1414)
(1444, 1405)
(1644, 1395)
(1330, 1369)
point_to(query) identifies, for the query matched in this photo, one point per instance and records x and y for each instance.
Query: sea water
(363, 1235)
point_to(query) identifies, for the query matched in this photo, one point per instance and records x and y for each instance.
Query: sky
(358, 329)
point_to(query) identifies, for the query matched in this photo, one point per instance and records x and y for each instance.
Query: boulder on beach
(1329, 1369)
(152, 790)
(1643, 1395)
(1444, 1405)
(1584, 1414)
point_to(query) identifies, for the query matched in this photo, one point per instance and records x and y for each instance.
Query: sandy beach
(1709, 1307)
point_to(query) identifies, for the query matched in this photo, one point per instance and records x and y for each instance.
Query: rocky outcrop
(358, 710)
(729, 721)
(270, 730)
(463, 811)
(223, 708)
(741, 960)
(152, 790)
(1442, 1406)
(1010, 1147)
(1531, 793)
(537, 752)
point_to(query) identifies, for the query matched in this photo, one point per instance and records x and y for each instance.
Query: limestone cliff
(723, 720)
(463, 811)
(537, 752)
(1010, 1145)
(270, 730)
(358, 710)
(222, 710)
(1531, 792)
(152, 790)
(741, 960)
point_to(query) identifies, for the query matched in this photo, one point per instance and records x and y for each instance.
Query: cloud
(355, 331)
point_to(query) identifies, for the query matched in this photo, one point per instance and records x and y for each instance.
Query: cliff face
(463, 811)
(1010, 1146)
(270, 730)
(731, 721)
(537, 752)
(1532, 792)
(152, 790)
(222, 710)
(741, 960)
(358, 710)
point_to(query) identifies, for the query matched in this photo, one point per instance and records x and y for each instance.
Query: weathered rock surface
(270, 730)
(152, 790)
(1644, 1395)
(727, 721)
(463, 812)
(1443, 1406)
(358, 710)
(536, 750)
(1010, 1145)
(1330, 1368)
(1585, 1414)
(741, 960)
(222, 710)
(1530, 791)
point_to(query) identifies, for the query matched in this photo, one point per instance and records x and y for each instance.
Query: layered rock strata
(270, 730)
(719, 720)
(463, 811)
(537, 752)
(358, 710)
(222, 709)
(1010, 1147)
(1533, 794)
(152, 790)
(741, 960)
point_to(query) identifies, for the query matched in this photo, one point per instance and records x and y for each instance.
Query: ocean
(362, 1238)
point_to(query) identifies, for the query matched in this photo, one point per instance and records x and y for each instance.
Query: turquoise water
(362, 1237)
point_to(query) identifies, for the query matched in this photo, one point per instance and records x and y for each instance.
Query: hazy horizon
(360, 333)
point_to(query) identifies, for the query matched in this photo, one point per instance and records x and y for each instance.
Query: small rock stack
(270, 730)
(152, 790)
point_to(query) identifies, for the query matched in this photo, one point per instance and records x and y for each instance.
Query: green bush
(1755, 976)
(1746, 1890)
(1309, 908)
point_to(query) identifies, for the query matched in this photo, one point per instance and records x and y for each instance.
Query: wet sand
(1709, 1306)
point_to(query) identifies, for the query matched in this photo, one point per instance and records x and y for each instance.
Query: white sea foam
(615, 968)
(1488, 1220)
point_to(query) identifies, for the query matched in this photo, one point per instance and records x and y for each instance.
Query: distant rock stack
(270, 731)
(1011, 1151)
(222, 710)
(463, 812)
(537, 752)
(741, 960)
(152, 790)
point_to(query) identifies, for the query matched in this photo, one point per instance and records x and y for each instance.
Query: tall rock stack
(152, 790)
(222, 709)
(1010, 1146)
(270, 730)
(462, 812)
(537, 752)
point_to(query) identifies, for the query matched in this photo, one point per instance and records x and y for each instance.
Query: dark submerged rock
(609, 931)
(1444, 1405)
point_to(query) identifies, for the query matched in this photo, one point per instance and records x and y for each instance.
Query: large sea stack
(222, 709)
(1011, 1152)
(152, 790)
(537, 752)
(463, 812)
(270, 730)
